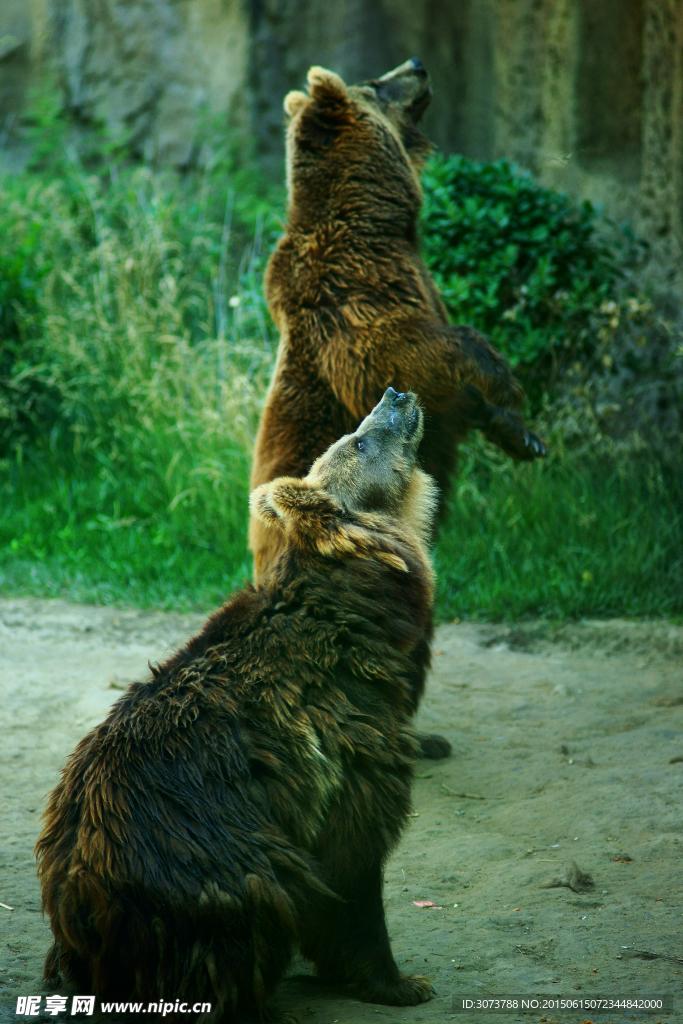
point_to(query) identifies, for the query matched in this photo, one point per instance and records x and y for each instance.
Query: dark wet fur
(242, 801)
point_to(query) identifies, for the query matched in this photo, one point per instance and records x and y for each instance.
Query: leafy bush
(518, 261)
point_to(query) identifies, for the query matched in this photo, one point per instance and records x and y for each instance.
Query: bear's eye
(360, 446)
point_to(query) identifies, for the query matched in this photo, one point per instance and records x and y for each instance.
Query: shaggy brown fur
(244, 799)
(354, 302)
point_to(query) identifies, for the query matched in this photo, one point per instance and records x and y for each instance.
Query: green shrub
(519, 262)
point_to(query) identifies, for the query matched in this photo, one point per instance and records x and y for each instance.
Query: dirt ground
(570, 738)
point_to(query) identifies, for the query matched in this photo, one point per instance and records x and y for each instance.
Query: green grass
(577, 536)
(574, 537)
(131, 386)
(105, 541)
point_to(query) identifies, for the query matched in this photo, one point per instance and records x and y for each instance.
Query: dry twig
(465, 796)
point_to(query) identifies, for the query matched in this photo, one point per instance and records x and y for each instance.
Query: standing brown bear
(354, 302)
(244, 799)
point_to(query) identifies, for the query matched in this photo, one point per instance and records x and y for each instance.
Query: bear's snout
(398, 411)
(408, 84)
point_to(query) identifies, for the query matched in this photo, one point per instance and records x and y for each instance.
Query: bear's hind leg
(432, 746)
(347, 940)
(66, 967)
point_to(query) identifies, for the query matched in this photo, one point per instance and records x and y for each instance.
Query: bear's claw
(532, 441)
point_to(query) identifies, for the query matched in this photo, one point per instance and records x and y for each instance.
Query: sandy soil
(571, 738)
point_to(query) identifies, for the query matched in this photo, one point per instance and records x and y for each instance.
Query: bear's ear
(295, 506)
(294, 101)
(312, 520)
(326, 113)
(326, 87)
(261, 506)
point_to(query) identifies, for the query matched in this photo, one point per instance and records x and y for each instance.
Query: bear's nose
(395, 397)
(417, 64)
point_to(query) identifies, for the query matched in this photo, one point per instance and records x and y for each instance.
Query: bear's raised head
(364, 497)
(345, 143)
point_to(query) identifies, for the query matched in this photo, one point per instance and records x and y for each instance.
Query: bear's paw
(295, 504)
(406, 990)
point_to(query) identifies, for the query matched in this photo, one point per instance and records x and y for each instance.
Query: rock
(573, 878)
(586, 96)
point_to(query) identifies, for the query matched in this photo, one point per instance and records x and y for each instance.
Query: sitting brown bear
(354, 302)
(244, 799)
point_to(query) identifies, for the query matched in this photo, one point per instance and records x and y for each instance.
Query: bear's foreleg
(347, 940)
(416, 354)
